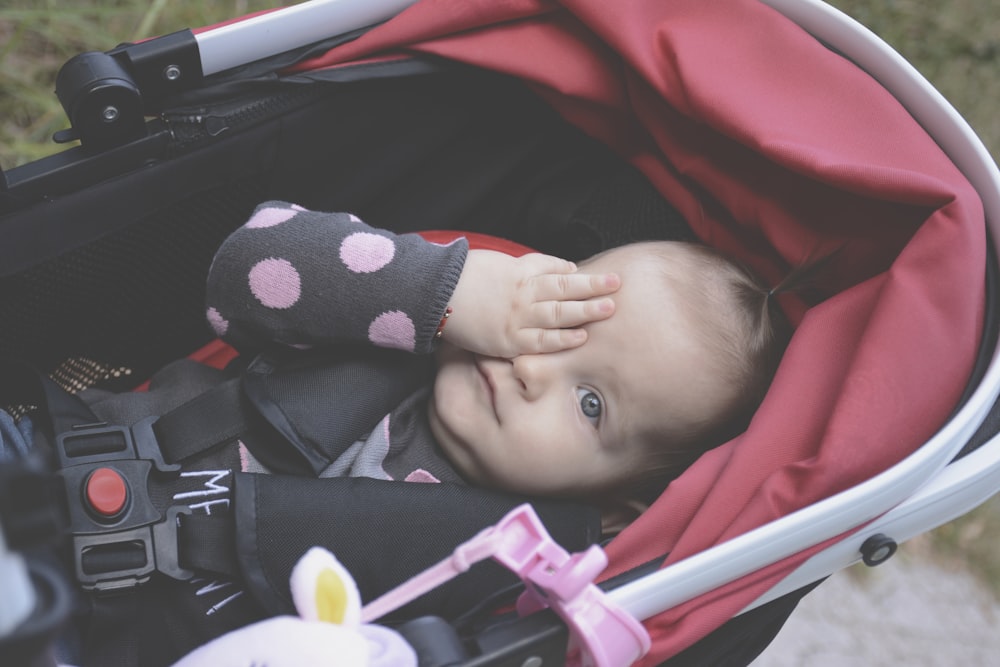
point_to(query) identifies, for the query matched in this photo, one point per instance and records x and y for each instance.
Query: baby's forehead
(662, 360)
(657, 276)
(666, 263)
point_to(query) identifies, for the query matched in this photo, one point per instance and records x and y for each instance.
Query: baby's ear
(323, 590)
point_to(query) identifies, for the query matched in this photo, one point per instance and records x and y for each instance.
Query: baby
(678, 369)
(530, 375)
(548, 379)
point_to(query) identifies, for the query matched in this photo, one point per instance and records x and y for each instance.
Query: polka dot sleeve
(304, 279)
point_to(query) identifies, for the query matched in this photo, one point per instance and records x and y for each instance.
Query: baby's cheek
(447, 394)
(522, 449)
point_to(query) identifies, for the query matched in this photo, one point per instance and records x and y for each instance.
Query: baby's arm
(505, 306)
(302, 278)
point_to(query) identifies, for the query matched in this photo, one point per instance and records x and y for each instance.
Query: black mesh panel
(127, 302)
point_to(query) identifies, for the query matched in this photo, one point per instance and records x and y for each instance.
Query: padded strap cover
(383, 533)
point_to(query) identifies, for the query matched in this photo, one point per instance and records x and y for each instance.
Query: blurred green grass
(954, 43)
(38, 36)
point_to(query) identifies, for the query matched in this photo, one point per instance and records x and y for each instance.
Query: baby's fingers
(567, 314)
(542, 341)
(540, 264)
(575, 286)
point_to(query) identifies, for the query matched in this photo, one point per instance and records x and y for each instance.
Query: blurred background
(38, 36)
(954, 43)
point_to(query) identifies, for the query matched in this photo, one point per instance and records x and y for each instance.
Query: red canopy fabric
(776, 150)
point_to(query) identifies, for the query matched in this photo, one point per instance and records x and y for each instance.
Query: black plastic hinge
(107, 95)
(162, 67)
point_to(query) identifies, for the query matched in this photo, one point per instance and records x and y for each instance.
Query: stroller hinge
(108, 95)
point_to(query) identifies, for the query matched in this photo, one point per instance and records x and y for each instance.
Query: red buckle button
(106, 492)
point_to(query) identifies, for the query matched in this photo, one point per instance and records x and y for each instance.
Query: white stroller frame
(921, 492)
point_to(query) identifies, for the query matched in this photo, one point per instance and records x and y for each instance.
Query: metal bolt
(533, 661)
(172, 72)
(877, 549)
(110, 114)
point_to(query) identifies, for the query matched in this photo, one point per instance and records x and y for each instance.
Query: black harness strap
(208, 542)
(220, 415)
(116, 551)
(105, 643)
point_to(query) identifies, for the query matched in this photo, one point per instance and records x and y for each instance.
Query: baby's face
(576, 421)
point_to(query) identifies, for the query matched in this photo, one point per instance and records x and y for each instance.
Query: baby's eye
(590, 404)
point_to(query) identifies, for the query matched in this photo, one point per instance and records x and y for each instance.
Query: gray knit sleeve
(306, 279)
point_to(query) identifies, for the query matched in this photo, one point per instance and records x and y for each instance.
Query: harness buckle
(120, 537)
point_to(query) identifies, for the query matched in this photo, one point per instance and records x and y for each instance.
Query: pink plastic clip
(602, 635)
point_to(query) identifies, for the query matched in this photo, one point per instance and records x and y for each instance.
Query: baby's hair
(744, 333)
(742, 326)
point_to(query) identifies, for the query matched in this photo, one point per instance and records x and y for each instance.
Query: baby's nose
(530, 371)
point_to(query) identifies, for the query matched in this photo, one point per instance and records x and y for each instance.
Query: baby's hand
(506, 306)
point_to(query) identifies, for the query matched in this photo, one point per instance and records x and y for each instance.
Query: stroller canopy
(778, 151)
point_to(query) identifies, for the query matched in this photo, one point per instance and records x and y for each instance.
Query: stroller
(568, 127)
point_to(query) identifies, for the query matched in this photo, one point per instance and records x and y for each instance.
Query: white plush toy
(327, 633)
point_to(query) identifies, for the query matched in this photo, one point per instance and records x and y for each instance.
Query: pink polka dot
(219, 324)
(275, 283)
(299, 208)
(393, 329)
(363, 252)
(421, 476)
(269, 217)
